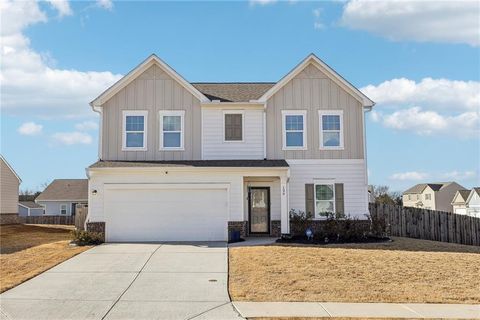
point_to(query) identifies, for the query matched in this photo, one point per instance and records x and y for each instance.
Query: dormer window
(134, 130)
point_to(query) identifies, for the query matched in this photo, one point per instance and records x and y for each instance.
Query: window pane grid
(172, 131)
(324, 199)
(134, 131)
(331, 130)
(294, 131)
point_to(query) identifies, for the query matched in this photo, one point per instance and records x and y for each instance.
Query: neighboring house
(473, 203)
(459, 201)
(62, 196)
(193, 161)
(433, 196)
(29, 208)
(9, 185)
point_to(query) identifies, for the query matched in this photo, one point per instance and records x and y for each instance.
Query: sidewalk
(354, 310)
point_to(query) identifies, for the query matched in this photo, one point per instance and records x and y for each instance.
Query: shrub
(342, 228)
(299, 221)
(86, 238)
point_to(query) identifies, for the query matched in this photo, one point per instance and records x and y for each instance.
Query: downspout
(366, 109)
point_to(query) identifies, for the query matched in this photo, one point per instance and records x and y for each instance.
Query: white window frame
(181, 114)
(322, 182)
(322, 113)
(66, 210)
(126, 113)
(242, 112)
(428, 196)
(286, 113)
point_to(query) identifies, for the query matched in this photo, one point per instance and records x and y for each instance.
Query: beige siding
(153, 91)
(312, 90)
(8, 189)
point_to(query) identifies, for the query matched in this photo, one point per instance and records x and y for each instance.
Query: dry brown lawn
(28, 250)
(405, 270)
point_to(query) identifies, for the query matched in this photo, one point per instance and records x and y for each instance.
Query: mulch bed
(319, 241)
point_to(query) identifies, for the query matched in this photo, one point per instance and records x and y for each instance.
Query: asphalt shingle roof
(30, 204)
(233, 91)
(191, 163)
(418, 188)
(65, 189)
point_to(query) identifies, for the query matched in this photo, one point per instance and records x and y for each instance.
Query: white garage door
(180, 212)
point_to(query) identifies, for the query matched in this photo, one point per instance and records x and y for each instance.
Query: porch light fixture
(94, 192)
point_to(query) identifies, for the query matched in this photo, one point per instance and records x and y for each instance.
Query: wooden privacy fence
(427, 224)
(80, 217)
(67, 220)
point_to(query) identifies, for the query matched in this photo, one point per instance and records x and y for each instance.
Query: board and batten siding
(312, 90)
(8, 189)
(213, 134)
(153, 91)
(349, 172)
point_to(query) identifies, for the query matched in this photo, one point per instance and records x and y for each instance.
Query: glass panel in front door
(259, 210)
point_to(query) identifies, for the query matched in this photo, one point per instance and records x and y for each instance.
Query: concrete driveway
(129, 281)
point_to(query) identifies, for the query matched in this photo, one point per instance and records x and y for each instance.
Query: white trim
(322, 66)
(167, 185)
(470, 195)
(100, 135)
(322, 113)
(61, 200)
(61, 209)
(242, 112)
(322, 182)
(133, 74)
(11, 169)
(174, 113)
(286, 113)
(324, 161)
(264, 134)
(125, 114)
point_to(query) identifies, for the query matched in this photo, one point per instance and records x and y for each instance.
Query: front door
(259, 210)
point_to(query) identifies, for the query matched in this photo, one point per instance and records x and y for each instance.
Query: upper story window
(134, 130)
(428, 196)
(233, 126)
(294, 130)
(331, 129)
(171, 130)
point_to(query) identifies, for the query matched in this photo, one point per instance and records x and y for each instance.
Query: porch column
(285, 218)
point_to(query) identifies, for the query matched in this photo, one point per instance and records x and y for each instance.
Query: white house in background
(9, 185)
(193, 161)
(433, 196)
(29, 208)
(473, 203)
(62, 196)
(459, 201)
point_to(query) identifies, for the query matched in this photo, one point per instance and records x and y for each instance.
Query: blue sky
(421, 66)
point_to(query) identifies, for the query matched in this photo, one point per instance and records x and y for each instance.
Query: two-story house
(467, 202)
(191, 161)
(433, 196)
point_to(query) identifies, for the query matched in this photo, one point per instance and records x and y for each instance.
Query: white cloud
(414, 119)
(86, 126)
(317, 24)
(459, 175)
(71, 138)
(423, 21)
(62, 6)
(430, 106)
(105, 4)
(261, 2)
(438, 93)
(410, 175)
(29, 83)
(30, 129)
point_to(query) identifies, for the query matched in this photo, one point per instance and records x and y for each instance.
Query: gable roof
(418, 188)
(463, 194)
(474, 190)
(29, 204)
(10, 167)
(133, 74)
(233, 91)
(332, 74)
(65, 189)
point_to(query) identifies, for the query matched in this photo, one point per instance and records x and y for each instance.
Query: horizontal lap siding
(215, 148)
(352, 175)
(312, 90)
(153, 91)
(8, 190)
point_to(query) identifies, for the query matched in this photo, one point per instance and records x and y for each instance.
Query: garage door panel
(166, 214)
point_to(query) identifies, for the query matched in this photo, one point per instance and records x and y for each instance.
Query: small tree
(383, 195)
